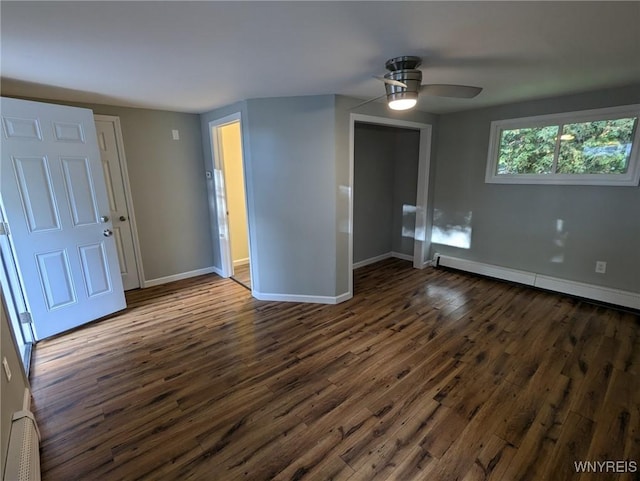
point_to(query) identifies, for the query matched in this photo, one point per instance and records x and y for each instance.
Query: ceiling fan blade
(447, 90)
(366, 102)
(389, 81)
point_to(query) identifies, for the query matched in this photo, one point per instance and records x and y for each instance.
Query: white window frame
(630, 178)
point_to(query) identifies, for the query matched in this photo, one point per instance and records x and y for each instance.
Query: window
(593, 147)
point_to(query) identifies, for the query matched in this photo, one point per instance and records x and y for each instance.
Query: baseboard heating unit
(23, 456)
(579, 289)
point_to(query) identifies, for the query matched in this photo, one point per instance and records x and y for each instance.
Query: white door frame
(115, 120)
(15, 299)
(421, 243)
(220, 193)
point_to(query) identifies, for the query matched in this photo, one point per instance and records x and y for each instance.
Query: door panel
(118, 208)
(36, 193)
(82, 202)
(68, 132)
(53, 193)
(26, 129)
(55, 275)
(95, 269)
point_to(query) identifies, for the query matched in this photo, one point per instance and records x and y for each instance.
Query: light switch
(175, 134)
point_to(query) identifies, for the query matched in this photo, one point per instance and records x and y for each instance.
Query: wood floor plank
(425, 374)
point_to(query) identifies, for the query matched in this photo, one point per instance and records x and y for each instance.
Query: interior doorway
(384, 203)
(229, 180)
(414, 216)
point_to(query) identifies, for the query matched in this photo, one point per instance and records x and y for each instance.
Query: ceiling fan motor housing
(411, 78)
(405, 70)
(406, 62)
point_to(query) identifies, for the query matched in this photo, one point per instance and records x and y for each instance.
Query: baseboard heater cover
(578, 289)
(23, 455)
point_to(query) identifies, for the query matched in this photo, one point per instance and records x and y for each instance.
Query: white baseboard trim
(404, 257)
(26, 400)
(177, 277)
(217, 270)
(381, 257)
(344, 297)
(241, 262)
(265, 296)
(580, 289)
(371, 260)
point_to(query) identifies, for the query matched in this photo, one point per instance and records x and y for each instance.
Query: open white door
(226, 259)
(55, 202)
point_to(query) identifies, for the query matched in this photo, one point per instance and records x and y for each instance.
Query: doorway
(231, 204)
(412, 215)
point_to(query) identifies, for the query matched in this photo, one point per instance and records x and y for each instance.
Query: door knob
(107, 233)
(122, 218)
(104, 219)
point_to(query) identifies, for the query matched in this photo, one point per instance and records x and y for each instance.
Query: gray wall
(516, 225)
(11, 392)
(289, 157)
(296, 153)
(405, 189)
(168, 187)
(385, 179)
(289, 152)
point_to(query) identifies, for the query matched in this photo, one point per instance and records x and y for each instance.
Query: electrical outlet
(601, 267)
(7, 370)
(175, 134)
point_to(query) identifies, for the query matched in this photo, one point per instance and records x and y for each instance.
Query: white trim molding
(579, 289)
(26, 400)
(371, 260)
(265, 296)
(183, 275)
(381, 257)
(240, 262)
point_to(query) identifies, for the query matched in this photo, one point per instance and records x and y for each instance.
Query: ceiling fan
(403, 84)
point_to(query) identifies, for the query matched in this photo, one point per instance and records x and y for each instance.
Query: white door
(222, 210)
(115, 175)
(54, 197)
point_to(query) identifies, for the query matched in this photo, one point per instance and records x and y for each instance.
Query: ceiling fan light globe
(402, 104)
(403, 100)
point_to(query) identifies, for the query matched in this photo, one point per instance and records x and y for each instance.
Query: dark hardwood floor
(424, 375)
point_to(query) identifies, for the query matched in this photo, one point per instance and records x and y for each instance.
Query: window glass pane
(527, 151)
(598, 147)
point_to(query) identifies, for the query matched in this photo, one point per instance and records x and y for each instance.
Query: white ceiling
(196, 56)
